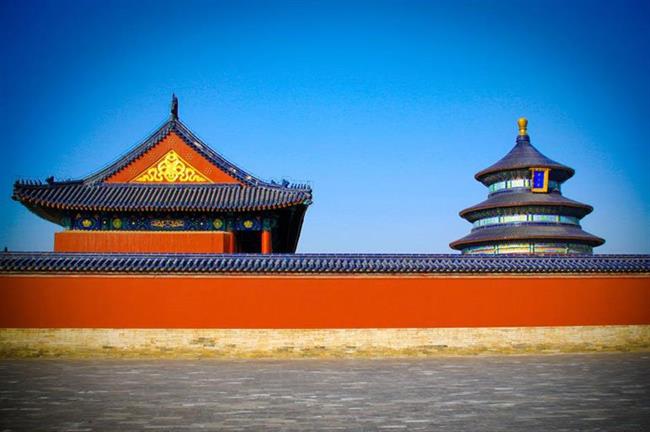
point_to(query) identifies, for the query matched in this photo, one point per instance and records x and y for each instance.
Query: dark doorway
(249, 241)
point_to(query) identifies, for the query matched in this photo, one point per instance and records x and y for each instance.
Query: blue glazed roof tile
(524, 201)
(527, 232)
(49, 262)
(523, 156)
(93, 194)
(528, 199)
(154, 197)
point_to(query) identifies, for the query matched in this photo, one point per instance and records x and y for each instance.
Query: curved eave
(527, 232)
(525, 156)
(156, 198)
(526, 199)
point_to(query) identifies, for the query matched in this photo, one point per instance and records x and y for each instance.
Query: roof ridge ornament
(523, 126)
(174, 107)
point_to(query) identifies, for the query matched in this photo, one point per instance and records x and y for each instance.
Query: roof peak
(523, 126)
(174, 108)
(524, 156)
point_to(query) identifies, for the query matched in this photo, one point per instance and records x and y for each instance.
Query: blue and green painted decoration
(168, 222)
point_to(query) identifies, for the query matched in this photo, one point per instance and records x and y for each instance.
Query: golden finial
(523, 126)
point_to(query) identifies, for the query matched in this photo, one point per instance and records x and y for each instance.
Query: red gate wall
(284, 301)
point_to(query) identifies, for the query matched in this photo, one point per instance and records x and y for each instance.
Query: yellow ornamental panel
(171, 168)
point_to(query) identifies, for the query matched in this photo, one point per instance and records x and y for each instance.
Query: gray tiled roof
(48, 262)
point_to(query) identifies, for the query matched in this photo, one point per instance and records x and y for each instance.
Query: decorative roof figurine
(171, 183)
(525, 211)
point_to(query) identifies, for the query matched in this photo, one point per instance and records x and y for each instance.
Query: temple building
(525, 211)
(174, 251)
(171, 193)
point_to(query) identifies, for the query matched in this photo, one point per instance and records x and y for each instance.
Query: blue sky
(387, 109)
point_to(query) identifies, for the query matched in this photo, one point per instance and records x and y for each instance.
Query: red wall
(166, 301)
(144, 241)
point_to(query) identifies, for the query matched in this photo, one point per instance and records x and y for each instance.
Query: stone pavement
(609, 392)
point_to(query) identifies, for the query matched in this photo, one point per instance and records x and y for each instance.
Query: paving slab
(568, 392)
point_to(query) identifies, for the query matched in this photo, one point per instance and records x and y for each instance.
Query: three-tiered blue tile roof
(519, 217)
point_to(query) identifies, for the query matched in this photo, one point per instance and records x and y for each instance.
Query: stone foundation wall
(317, 343)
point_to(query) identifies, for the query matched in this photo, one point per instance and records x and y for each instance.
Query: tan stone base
(318, 343)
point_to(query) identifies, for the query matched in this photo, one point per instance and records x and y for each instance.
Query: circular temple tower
(525, 211)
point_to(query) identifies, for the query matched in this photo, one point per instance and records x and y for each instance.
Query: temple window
(520, 218)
